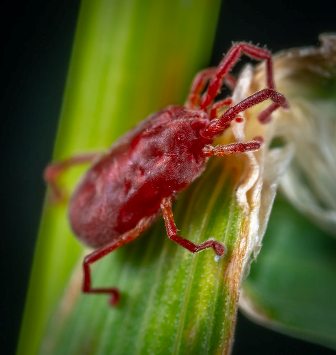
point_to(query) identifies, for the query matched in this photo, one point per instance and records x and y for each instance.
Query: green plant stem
(129, 58)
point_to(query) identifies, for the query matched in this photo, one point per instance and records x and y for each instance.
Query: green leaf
(292, 286)
(129, 59)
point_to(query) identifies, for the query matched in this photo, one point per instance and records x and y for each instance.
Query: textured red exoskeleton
(126, 188)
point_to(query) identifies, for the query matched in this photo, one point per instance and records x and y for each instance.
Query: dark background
(36, 44)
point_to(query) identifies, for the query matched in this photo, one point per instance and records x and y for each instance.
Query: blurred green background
(37, 41)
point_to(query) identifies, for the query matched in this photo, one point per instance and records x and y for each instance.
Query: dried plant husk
(291, 287)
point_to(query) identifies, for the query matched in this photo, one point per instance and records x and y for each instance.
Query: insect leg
(265, 115)
(239, 147)
(103, 251)
(166, 207)
(198, 86)
(230, 59)
(218, 126)
(54, 170)
(218, 105)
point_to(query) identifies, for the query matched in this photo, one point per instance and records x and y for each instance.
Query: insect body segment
(137, 179)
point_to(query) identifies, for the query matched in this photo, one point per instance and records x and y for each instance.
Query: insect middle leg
(54, 170)
(166, 207)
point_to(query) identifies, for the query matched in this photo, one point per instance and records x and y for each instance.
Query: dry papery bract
(307, 77)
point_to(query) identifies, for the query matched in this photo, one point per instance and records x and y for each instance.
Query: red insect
(126, 188)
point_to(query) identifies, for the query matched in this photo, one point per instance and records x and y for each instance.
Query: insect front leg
(218, 126)
(166, 207)
(230, 59)
(105, 250)
(54, 170)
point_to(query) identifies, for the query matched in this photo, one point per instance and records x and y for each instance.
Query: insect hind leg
(87, 284)
(105, 250)
(53, 171)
